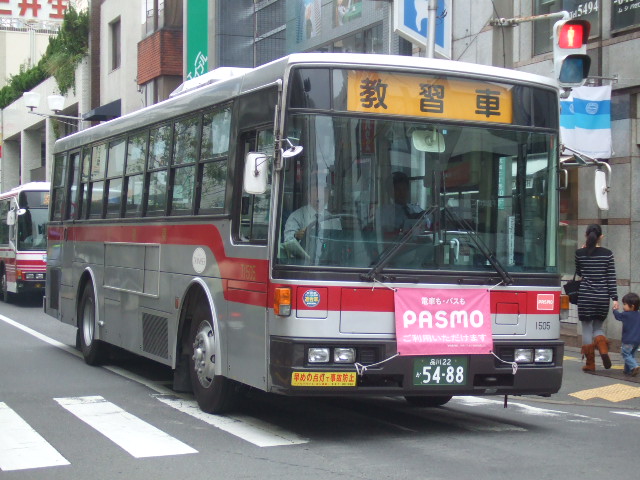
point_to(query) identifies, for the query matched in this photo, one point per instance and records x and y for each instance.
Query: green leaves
(60, 60)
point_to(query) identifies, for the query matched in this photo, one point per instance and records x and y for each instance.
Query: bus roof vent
(215, 75)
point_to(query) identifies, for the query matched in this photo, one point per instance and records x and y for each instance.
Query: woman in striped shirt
(596, 266)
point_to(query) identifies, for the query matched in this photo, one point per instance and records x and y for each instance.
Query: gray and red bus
(247, 232)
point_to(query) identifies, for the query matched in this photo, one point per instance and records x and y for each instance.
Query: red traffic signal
(571, 63)
(573, 34)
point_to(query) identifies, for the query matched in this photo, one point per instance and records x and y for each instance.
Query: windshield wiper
(479, 243)
(388, 254)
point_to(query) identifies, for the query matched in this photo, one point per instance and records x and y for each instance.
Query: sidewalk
(614, 372)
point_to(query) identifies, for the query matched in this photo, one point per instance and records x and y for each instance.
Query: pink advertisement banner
(443, 321)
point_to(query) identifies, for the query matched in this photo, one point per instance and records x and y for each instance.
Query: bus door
(60, 246)
(247, 283)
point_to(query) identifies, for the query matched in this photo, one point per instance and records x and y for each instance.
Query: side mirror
(255, 173)
(11, 217)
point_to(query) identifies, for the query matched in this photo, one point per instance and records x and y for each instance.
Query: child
(630, 319)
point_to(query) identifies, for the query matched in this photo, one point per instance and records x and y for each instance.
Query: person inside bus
(397, 217)
(310, 217)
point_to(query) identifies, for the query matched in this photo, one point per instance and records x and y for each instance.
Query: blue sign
(411, 22)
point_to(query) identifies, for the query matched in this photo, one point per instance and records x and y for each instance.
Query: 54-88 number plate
(440, 370)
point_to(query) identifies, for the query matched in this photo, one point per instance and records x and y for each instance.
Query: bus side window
(98, 168)
(115, 169)
(4, 228)
(157, 181)
(134, 171)
(212, 174)
(255, 209)
(59, 186)
(83, 194)
(72, 191)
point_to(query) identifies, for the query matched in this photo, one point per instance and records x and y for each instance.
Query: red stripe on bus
(381, 299)
(231, 268)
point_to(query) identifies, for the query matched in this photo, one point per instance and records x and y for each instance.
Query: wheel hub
(203, 354)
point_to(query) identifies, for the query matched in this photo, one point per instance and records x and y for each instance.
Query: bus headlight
(543, 355)
(318, 355)
(523, 355)
(344, 355)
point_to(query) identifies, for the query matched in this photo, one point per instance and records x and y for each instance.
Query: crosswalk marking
(21, 447)
(129, 432)
(250, 429)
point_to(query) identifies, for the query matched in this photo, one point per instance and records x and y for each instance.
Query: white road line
(247, 428)
(631, 414)
(40, 336)
(135, 436)
(21, 447)
(527, 409)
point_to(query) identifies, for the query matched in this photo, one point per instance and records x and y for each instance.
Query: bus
(245, 232)
(23, 239)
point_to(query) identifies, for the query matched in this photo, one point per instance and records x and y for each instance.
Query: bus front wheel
(94, 351)
(428, 401)
(214, 393)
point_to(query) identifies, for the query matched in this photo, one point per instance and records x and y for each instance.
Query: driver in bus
(312, 214)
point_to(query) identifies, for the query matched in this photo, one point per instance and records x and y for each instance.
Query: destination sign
(392, 93)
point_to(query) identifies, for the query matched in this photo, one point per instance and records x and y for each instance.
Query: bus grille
(155, 335)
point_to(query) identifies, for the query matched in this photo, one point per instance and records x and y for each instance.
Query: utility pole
(432, 12)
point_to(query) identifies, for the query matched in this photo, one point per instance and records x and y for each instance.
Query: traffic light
(570, 60)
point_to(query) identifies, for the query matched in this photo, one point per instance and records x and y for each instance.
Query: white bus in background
(23, 239)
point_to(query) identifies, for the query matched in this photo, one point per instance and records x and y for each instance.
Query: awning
(104, 112)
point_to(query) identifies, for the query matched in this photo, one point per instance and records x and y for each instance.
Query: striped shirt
(598, 287)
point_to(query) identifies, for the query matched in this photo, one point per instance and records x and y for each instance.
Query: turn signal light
(282, 301)
(564, 302)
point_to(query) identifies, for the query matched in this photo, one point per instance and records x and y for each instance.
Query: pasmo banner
(443, 321)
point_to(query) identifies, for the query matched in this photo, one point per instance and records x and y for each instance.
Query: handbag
(572, 289)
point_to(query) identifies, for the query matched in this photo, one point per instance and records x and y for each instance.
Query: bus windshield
(32, 229)
(453, 195)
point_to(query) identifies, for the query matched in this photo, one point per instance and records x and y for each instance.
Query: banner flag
(443, 321)
(585, 121)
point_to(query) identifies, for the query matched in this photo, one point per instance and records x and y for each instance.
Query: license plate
(323, 379)
(440, 371)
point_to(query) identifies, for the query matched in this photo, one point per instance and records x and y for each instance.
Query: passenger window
(83, 194)
(213, 186)
(186, 141)
(134, 180)
(115, 169)
(59, 198)
(159, 147)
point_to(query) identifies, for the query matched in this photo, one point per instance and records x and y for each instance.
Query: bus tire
(5, 288)
(94, 351)
(428, 401)
(214, 393)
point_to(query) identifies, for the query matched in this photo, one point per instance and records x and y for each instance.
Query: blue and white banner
(585, 121)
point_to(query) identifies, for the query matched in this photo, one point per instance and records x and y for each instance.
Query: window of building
(364, 41)
(115, 44)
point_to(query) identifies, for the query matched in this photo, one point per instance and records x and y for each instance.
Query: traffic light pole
(512, 22)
